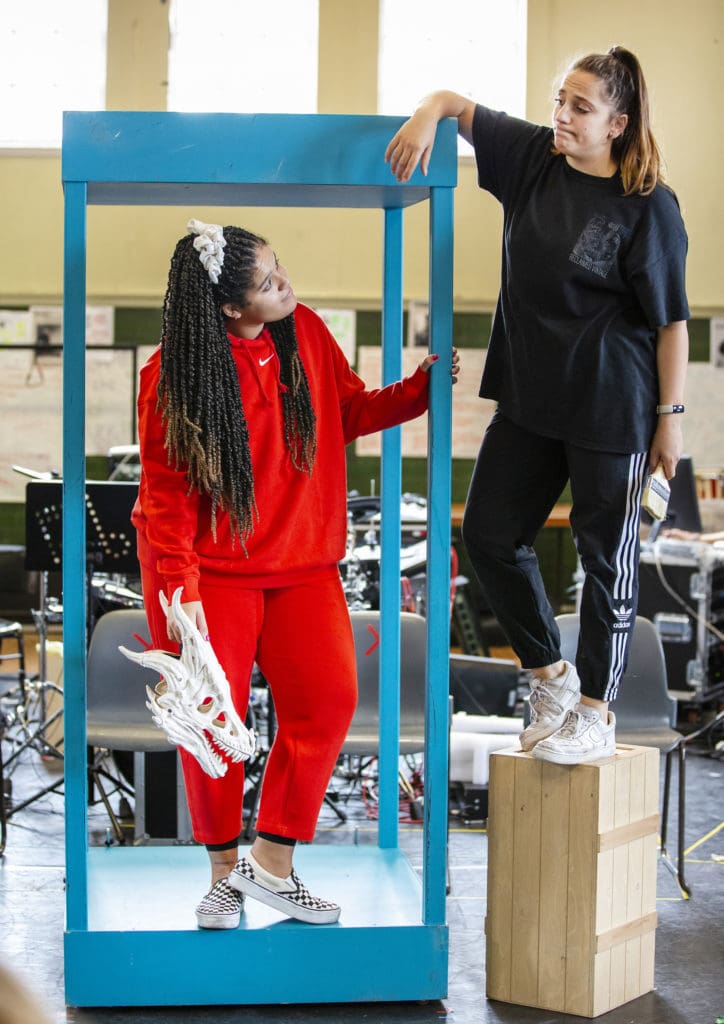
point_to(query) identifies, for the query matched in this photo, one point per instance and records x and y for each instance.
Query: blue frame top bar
(140, 158)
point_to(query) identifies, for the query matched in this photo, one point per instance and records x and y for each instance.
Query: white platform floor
(146, 888)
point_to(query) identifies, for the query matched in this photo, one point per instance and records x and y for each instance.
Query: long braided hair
(198, 390)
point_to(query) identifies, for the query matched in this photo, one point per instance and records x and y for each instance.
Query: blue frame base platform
(142, 946)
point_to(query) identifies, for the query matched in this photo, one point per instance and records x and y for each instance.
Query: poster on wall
(15, 327)
(47, 325)
(418, 324)
(342, 323)
(470, 414)
(716, 341)
(31, 400)
(704, 427)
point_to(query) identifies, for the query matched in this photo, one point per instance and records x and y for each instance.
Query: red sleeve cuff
(190, 586)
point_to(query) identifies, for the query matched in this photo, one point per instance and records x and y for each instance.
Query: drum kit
(360, 567)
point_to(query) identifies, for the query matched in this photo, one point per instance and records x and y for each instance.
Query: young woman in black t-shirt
(587, 360)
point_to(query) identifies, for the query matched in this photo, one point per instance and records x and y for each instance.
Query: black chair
(12, 631)
(117, 716)
(483, 686)
(363, 734)
(362, 743)
(361, 746)
(645, 715)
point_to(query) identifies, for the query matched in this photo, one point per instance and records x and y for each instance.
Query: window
(52, 58)
(232, 56)
(473, 47)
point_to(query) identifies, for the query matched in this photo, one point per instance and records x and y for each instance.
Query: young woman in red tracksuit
(244, 413)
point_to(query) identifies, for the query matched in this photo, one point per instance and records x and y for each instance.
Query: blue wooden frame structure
(130, 938)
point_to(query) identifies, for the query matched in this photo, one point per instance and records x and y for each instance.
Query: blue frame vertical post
(390, 540)
(74, 555)
(438, 557)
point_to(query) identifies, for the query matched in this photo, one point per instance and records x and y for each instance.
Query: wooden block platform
(572, 881)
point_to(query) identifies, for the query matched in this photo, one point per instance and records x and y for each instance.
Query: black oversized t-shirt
(588, 275)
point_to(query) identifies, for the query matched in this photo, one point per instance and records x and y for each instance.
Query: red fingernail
(435, 358)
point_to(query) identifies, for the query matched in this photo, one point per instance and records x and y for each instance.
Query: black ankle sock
(232, 844)
(280, 840)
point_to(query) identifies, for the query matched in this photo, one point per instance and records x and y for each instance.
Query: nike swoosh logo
(263, 362)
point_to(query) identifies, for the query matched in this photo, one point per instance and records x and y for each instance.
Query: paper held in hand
(656, 495)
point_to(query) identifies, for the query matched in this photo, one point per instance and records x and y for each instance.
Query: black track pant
(517, 480)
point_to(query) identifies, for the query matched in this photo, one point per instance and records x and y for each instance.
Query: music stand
(110, 548)
(110, 538)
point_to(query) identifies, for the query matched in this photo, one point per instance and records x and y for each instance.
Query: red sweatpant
(301, 639)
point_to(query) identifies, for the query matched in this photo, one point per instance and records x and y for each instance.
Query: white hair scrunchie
(209, 243)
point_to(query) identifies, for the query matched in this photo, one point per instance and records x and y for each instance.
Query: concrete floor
(689, 944)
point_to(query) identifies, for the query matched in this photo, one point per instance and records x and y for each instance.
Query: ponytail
(636, 150)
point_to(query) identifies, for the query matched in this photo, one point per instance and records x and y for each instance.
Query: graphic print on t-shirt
(598, 245)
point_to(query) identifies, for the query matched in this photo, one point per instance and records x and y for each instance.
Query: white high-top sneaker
(550, 702)
(583, 737)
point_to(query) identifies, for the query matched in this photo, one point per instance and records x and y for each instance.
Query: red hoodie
(301, 528)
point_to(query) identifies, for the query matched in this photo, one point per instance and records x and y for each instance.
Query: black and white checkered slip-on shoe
(221, 907)
(287, 895)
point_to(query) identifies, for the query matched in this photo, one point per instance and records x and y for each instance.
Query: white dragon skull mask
(192, 702)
